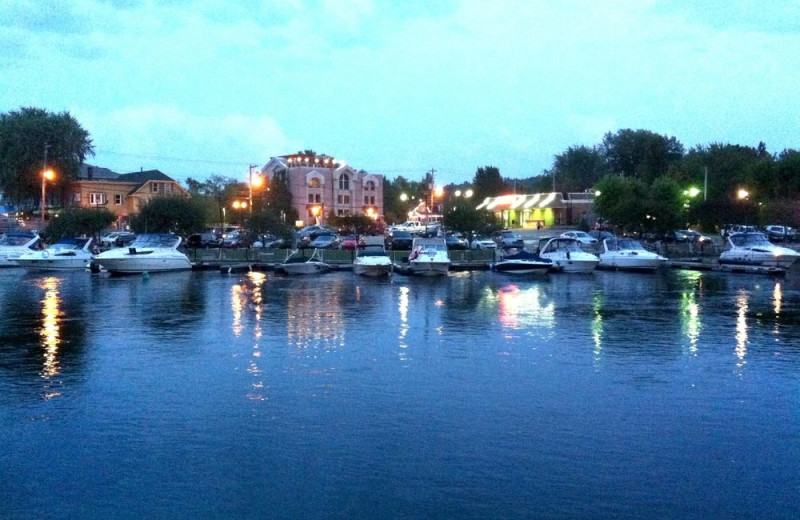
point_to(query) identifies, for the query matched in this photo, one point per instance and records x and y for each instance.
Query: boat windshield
(749, 240)
(155, 240)
(624, 244)
(371, 251)
(557, 245)
(69, 243)
(16, 239)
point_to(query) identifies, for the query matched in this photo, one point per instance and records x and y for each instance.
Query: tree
(577, 169)
(25, 136)
(278, 197)
(74, 222)
(398, 197)
(488, 183)
(219, 188)
(622, 200)
(640, 153)
(462, 217)
(175, 214)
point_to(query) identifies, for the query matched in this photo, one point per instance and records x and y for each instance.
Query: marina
(472, 395)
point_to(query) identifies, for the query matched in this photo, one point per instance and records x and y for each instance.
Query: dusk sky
(204, 87)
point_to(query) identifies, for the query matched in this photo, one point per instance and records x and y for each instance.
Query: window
(154, 187)
(343, 199)
(369, 186)
(118, 199)
(76, 197)
(313, 182)
(366, 200)
(97, 199)
(344, 182)
(310, 197)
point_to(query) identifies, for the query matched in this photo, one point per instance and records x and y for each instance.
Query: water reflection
(742, 300)
(519, 307)
(597, 324)
(50, 330)
(402, 307)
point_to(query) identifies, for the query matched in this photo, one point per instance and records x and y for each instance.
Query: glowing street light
(742, 194)
(256, 182)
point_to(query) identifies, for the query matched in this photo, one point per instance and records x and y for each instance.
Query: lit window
(97, 199)
(118, 199)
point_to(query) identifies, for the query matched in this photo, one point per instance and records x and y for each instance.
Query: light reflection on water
(473, 396)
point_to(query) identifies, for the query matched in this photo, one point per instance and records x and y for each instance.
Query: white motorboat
(522, 262)
(67, 254)
(429, 257)
(753, 248)
(150, 252)
(567, 255)
(15, 244)
(372, 260)
(628, 254)
(298, 263)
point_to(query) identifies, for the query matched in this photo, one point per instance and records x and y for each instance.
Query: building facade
(121, 193)
(541, 209)
(321, 186)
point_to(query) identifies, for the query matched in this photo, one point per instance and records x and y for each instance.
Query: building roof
(144, 176)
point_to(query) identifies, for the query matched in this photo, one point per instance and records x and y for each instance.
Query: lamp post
(46, 176)
(250, 186)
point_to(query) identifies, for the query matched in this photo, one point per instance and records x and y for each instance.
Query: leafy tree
(623, 201)
(74, 222)
(664, 206)
(219, 188)
(640, 153)
(267, 222)
(394, 208)
(175, 214)
(577, 169)
(277, 197)
(356, 224)
(462, 217)
(488, 183)
(24, 136)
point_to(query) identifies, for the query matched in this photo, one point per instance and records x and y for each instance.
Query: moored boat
(753, 248)
(372, 260)
(522, 262)
(297, 263)
(628, 254)
(150, 252)
(429, 257)
(65, 255)
(567, 255)
(15, 244)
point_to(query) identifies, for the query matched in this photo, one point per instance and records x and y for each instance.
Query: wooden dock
(697, 264)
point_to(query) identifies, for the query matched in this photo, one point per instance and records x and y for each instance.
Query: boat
(567, 255)
(429, 257)
(65, 255)
(753, 248)
(628, 254)
(298, 263)
(150, 252)
(522, 262)
(16, 243)
(372, 260)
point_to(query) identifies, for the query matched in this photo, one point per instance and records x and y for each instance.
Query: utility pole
(705, 183)
(250, 185)
(44, 180)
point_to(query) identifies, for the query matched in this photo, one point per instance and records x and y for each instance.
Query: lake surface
(200, 395)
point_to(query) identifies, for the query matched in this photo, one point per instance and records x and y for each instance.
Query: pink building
(320, 185)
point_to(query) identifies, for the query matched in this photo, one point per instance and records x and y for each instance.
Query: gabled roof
(144, 176)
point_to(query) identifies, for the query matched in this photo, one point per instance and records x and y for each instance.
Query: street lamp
(259, 181)
(47, 175)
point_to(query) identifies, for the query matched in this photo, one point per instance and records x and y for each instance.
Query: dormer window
(344, 182)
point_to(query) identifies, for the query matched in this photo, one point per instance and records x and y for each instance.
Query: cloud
(180, 143)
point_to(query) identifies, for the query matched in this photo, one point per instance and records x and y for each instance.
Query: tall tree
(175, 214)
(641, 153)
(577, 169)
(488, 183)
(26, 135)
(277, 197)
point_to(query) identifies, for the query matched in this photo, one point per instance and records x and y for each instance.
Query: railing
(331, 256)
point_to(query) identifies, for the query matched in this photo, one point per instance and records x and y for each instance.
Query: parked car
(696, 237)
(455, 242)
(601, 234)
(399, 240)
(581, 236)
(325, 242)
(313, 231)
(777, 233)
(235, 239)
(481, 242)
(351, 242)
(506, 239)
(207, 239)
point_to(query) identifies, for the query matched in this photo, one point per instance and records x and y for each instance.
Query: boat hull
(631, 263)
(522, 268)
(138, 266)
(423, 268)
(372, 270)
(764, 259)
(55, 264)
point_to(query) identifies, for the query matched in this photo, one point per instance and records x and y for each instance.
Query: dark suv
(399, 240)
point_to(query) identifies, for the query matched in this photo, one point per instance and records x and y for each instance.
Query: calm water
(197, 395)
